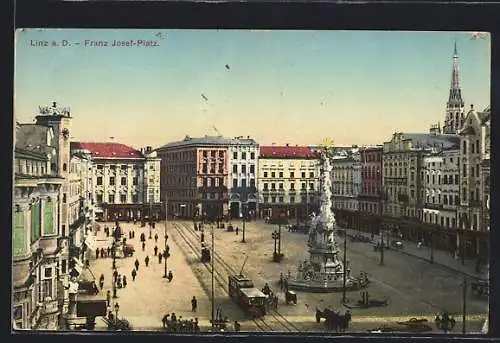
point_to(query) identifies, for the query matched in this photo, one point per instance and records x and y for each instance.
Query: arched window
(65, 167)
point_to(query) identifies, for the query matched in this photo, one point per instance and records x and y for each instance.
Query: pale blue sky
(356, 87)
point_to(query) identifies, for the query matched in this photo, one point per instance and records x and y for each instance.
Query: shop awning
(90, 242)
(78, 265)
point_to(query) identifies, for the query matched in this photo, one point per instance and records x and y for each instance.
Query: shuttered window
(48, 224)
(35, 222)
(19, 236)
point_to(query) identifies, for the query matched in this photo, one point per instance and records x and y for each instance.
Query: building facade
(194, 177)
(243, 164)
(37, 266)
(346, 187)
(151, 180)
(370, 196)
(118, 182)
(474, 156)
(288, 181)
(404, 178)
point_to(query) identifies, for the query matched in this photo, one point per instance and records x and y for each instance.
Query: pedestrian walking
(285, 285)
(194, 304)
(101, 282)
(133, 233)
(114, 265)
(97, 253)
(124, 281)
(143, 246)
(146, 261)
(102, 253)
(202, 237)
(170, 276)
(237, 326)
(108, 298)
(109, 251)
(130, 235)
(160, 256)
(134, 274)
(136, 263)
(237, 231)
(281, 281)
(156, 238)
(115, 275)
(156, 250)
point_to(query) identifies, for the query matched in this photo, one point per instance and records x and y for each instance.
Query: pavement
(415, 288)
(144, 301)
(441, 258)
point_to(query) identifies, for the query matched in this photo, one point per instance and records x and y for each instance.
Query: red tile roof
(107, 150)
(287, 152)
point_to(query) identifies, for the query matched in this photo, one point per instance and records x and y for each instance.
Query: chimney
(148, 148)
(54, 104)
(287, 144)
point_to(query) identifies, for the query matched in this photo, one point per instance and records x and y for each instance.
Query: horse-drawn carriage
(334, 320)
(205, 254)
(290, 297)
(358, 238)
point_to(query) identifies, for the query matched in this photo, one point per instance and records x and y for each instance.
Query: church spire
(455, 104)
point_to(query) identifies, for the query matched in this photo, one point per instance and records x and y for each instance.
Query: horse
(334, 320)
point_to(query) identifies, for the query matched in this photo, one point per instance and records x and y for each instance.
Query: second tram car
(250, 299)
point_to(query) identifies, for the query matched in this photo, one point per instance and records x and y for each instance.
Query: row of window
(368, 207)
(292, 174)
(474, 171)
(281, 200)
(123, 181)
(28, 167)
(111, 198)
(292, 186)
(243, 183)
(243, 155)
(474, 148)
(114, 167)
(244, 169)
(447, 199)
(213, 166)
(375, 157)
(444, 221)
(291, 164)
(447, 179)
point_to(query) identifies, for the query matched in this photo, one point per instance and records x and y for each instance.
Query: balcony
(433, 206)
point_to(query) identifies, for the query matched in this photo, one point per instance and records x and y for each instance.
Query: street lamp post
(244, 214)
(117, 308)
(213, 280)
(167, 253)
(464, 304)
(381, 248)
(275, 236)
(344, 300)
(432, 246)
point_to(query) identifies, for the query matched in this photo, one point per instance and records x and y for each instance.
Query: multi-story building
(404, 179)
(119, 184)
(346, 186)
(59, 120)
(194, 177)
(36, 265)
(370, 201)
(243, 163)
(474, 175)
(288, 181)
(151, 179)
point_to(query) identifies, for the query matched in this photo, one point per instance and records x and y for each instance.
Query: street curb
(442, 265)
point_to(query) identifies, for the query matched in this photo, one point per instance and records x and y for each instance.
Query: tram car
(250, 299)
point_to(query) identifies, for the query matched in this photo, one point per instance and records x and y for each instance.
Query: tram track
(274, 321)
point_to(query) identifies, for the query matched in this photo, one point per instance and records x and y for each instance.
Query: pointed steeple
(455, 93)
(455, 105)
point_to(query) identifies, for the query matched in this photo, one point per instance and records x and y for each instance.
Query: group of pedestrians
(173, 324)
(104, 253)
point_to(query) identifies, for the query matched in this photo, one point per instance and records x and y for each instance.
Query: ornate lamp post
(117, 308)
(275, 236)
(166, 255)
(445, 322)
(244, 214)
(381, 248)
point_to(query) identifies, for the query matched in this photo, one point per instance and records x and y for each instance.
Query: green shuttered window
(48, 225)
(35, 222)
(18, 238)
